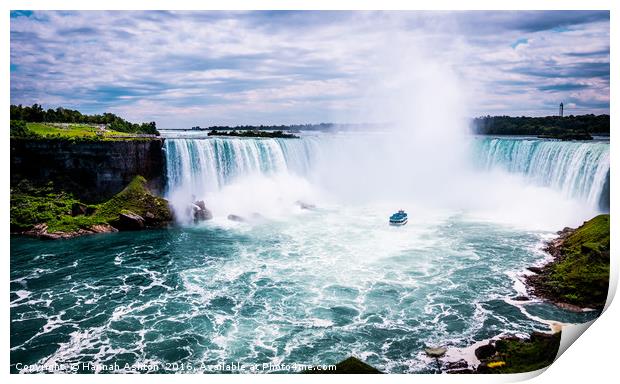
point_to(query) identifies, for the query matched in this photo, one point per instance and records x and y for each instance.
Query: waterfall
(205, 165)
(577, 169)
(198, 167)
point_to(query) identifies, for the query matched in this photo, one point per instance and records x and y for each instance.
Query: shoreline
(493, 355)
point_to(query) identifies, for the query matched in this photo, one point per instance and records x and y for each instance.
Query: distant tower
(561, 109)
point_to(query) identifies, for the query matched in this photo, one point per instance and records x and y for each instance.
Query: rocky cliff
(93, 171)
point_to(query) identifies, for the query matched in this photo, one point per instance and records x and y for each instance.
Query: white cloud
(256, 67)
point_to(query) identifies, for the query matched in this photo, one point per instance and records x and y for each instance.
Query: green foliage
(73, 132)
(581, 276)
(526, 355)
(36, 114)
(19, 128)
(32, 205)
(547, 126)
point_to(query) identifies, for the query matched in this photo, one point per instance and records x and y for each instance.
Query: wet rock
(128, 221)
(236, 218)
(350, 365)
(41, 231)
(201, 213)
(521, 298)
(537, 270)
(485, 351)
(78, 209)
(457, 367)
(435, 352)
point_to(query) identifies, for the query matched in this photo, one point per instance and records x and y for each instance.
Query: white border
(592, 358)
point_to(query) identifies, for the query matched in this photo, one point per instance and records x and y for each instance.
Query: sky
(182, 69)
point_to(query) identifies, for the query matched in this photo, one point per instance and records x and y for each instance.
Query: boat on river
(399, 218)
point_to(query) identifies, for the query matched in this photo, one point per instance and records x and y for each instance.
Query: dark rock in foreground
(514, 355)
(485, 351)
(349, 365)
(457, 367)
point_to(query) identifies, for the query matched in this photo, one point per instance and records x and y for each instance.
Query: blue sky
(186, 68)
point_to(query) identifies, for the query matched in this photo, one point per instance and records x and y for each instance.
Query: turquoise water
(264, 293)
(295, 286)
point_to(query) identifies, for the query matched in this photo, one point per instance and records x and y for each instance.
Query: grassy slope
(75, 131)
(30, 206)
(581, 275)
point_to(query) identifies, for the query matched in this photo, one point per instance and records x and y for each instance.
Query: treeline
(293, 127)
(545, 126)
(36, 114)
(254, 133)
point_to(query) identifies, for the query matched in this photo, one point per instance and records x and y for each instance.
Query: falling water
(200, 166)
(577, 169)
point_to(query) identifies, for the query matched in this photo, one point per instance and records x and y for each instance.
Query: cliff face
(92, 170)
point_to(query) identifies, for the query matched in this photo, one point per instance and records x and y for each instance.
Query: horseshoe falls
(313, 273)
(197, 167)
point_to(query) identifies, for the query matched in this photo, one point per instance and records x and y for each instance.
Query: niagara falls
(306, 191)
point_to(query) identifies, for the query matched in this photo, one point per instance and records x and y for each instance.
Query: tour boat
(399, 218)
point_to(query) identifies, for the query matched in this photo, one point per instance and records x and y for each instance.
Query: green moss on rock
(32, 205)
(138, 199)
(580, 273)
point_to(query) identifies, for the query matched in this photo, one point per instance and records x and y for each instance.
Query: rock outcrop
(50, 214)
(200, 211)
(92, 171)
(128, 221)
(41, 231)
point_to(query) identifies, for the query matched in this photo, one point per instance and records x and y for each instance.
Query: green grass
(581, 276)
(34, 205)
(75, 132)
